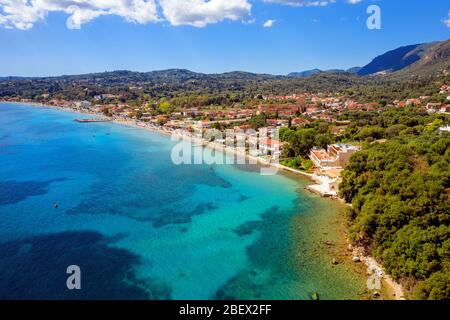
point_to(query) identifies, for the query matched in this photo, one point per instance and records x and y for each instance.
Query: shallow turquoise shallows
(139, 226)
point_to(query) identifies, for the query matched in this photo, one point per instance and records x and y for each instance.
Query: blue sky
(214, 38)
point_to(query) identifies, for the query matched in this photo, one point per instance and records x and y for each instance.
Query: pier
(91, 120)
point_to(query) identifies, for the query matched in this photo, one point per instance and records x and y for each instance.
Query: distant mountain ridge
(312, 72)
(396, 60)
(412, 60)
(160, 75)
(424, 58)
(11, 78)
(435, 61)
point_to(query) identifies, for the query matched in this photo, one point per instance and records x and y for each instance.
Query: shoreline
(373, 267)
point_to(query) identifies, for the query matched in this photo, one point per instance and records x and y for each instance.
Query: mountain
(11, 78)
(129, 84)
(434, 62)
(312, 72)
(304, 74)
(354, 70)
(396, 60)
(161, 76)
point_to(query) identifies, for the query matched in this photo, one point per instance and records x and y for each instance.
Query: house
(242, 114)
(324, 117)
(444, 89)
(277, 122)
(204, 124)
(242, 128)
(299, 122)
(400, 104)
(445, 109)
(322, 159)
(412, 102)
(270, 146)
(336, 156)
(82, 104)
(104, 96)
(286, 113)
(191, 112)
(433, 107)
(310, 110)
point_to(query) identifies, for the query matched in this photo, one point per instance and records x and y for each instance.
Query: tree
(401, 209)
(166, 107)
(302, 141)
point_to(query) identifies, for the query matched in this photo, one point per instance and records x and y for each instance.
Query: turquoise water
(138, 226)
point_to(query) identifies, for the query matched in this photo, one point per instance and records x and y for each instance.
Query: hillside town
(269, 115)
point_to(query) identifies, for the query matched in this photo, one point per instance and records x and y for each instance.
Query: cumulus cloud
(269, 23)
(447, 22)
(22, 14)
(303, 3)
(199, 13)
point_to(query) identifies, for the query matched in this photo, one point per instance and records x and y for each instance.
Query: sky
(56, 37)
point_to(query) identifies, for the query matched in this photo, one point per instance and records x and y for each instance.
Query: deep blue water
(138, 226)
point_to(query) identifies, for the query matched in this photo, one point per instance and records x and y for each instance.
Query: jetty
(322, 190)
(91, 120)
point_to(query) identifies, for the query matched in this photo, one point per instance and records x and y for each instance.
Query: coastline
(394, 289)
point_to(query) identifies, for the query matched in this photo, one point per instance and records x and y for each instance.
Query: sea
(108, 198)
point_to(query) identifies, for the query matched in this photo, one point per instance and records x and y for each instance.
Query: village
(233, 128)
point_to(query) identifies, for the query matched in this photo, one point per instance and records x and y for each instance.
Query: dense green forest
(399, 191)
(186, 89)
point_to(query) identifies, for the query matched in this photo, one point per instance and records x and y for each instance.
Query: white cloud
(447, 22)
(199, 13)
(269, 23)
(303, 3)
(22, 14)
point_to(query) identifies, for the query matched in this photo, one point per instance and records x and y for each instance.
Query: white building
(82, 104)
(336, 156)
(270, 146)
